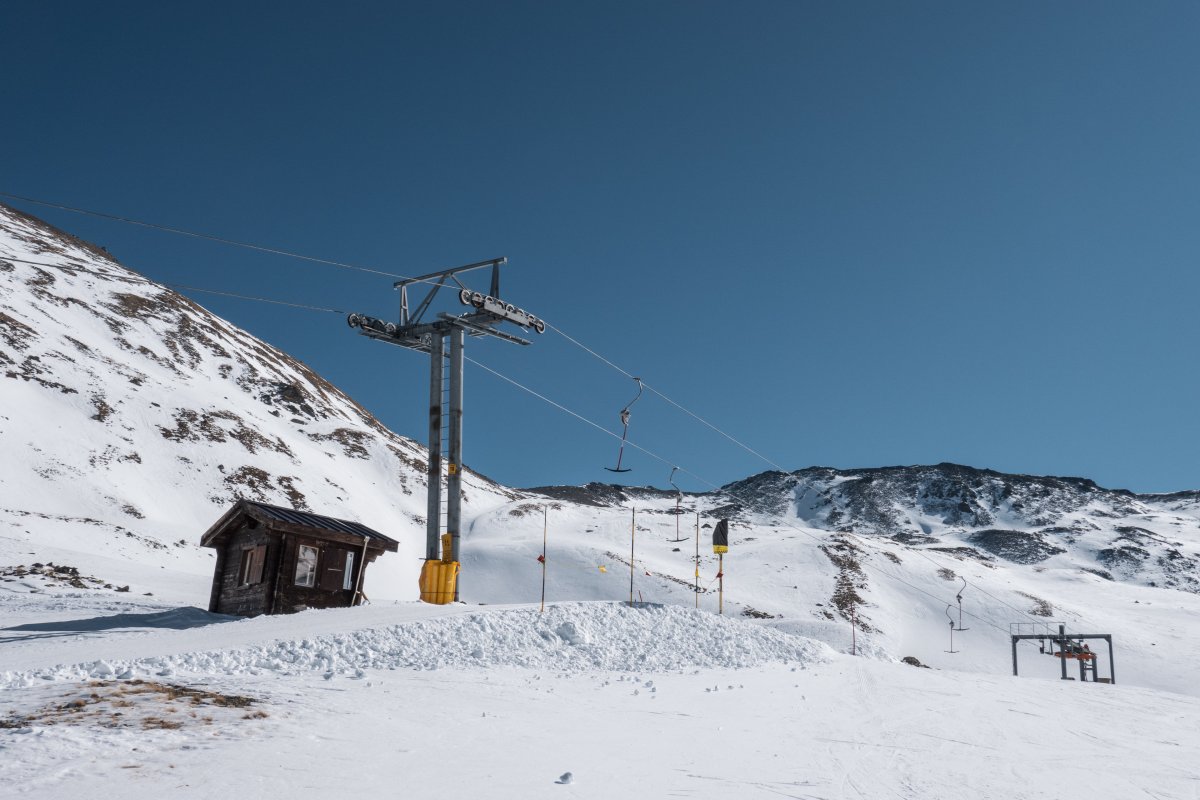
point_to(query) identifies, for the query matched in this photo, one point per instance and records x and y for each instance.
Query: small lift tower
(1063, 645)
(439, 576)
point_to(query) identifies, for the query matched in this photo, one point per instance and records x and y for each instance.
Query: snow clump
(567, 638)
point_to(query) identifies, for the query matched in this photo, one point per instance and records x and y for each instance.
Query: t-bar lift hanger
(625, 425)
(951, 650)
(958, 597)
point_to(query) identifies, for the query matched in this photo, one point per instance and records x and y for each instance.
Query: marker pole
(632, 537)
(545, 533)
(721, 583)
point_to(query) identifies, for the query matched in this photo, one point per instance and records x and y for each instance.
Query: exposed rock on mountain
(1021, 547)
(126, 408)
(970, 513)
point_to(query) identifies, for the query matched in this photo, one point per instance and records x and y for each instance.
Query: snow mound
(570, 637)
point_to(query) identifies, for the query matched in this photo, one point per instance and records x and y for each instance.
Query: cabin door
(333, 570)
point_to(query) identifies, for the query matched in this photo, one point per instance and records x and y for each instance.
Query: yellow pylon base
(438, 581)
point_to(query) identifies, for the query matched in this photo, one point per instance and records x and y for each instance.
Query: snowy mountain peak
(132, 416)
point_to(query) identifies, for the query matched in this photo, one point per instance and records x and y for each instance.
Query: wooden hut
(274, 560)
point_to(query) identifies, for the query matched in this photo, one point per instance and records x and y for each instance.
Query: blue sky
(848, 234)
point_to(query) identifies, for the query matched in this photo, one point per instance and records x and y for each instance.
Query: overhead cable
(787, 523)
(735, 440)
(132, 278)
(197, 235)
(256, 299)
(583, 419)
(142, 279)
(682, 408)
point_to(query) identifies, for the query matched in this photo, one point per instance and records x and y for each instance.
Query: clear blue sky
(850, 234)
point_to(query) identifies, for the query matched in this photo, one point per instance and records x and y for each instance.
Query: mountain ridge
(980, 513)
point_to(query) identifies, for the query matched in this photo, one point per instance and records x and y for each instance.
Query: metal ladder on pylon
(443, 468)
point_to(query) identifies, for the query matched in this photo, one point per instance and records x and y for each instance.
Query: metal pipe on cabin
(433, 508)
(362, 569)
(454, 481)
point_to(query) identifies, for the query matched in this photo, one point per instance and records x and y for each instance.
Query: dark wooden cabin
(274, 560)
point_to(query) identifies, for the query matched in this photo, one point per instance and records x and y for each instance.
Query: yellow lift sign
(721, 537)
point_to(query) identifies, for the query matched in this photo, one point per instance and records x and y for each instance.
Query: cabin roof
(289, 519)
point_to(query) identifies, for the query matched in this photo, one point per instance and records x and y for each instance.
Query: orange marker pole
(632, 537)
(545, 529)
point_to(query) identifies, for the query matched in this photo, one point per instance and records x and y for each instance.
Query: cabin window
(306, 565)
(348, 578)
(250, 571)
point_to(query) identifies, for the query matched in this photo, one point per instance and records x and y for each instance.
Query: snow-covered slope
(131, 417)
(587, 700)
(793, 575)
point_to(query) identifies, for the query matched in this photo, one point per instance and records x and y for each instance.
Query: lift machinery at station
(1066, 647)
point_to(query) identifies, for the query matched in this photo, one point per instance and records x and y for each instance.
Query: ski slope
(500, 702)
(779, 568)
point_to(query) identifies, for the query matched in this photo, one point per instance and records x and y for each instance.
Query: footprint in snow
(565, 778)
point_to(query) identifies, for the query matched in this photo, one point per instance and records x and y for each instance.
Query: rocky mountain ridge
(980, 513)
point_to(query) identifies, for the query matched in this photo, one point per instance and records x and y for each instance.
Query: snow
(841, 727)
(137, 692)
(647, 701)
(568, 638)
